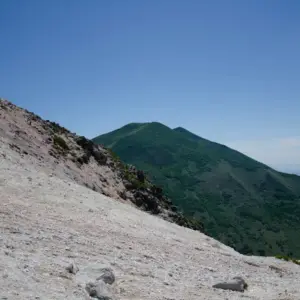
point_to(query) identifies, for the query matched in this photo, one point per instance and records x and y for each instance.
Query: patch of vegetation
(85, 158)
(80, 160)
(147, 201)
(174, 208)
(113, 155)
(85, 143)
(60, 142)
(56, 127)
(134, 180)
(3, 106)
(99, 157)
(90, 149)
(283, 257)
(287, 258)
(195, 224)
(243, 203)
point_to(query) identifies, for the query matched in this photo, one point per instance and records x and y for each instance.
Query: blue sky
(227, 70)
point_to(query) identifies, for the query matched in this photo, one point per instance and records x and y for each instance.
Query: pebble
(72, 268)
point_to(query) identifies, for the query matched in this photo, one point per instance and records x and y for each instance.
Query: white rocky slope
(47, 222)
(72, 157)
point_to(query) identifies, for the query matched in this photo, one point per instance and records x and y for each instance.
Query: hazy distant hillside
(242, 202)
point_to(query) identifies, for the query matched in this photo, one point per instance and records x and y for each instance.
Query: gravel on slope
(47, 223)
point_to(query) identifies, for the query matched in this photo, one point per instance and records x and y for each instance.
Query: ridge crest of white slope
(47, 223)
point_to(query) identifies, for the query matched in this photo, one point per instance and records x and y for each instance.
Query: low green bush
(60, 142)
(287, 258)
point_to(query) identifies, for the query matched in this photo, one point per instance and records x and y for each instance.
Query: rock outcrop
(72, 268)
(235, 284)
(99, 290)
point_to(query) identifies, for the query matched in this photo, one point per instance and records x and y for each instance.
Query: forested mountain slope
(242, 202)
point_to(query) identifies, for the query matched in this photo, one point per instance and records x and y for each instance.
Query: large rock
(236, 284)
(107, 276)
(99, 290)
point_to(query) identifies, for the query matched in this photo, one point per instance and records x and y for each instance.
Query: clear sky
(227, 70)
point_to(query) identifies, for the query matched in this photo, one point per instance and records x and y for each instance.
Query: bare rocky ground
(49, 220)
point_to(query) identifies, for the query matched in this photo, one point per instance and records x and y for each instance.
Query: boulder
(107, 276)
(235, 284)
(99, 290)
(72, 268)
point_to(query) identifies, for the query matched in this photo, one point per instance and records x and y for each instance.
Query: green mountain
(242, 202)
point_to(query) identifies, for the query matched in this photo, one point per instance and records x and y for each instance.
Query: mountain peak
(188, 134)
(219, 185)
(179, 129)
